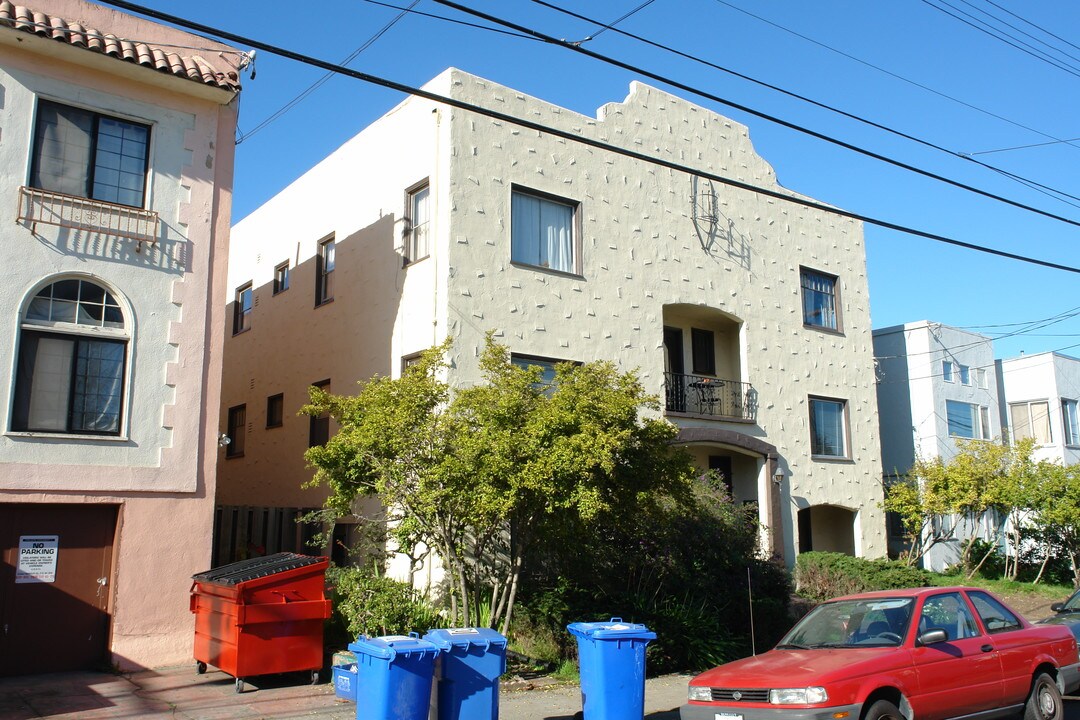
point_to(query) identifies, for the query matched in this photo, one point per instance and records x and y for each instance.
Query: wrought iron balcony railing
(79, 213)
(703, 395)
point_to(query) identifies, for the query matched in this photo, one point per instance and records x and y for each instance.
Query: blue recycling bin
(611, 656)
(393, 676)
(467, 674)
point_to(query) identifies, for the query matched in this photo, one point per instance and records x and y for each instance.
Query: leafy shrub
(822, 575)
(367, 603)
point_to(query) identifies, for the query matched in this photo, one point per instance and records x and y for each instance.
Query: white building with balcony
(747, 314)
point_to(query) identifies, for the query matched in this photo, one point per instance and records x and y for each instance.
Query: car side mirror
(1057, 607)
(933, 635)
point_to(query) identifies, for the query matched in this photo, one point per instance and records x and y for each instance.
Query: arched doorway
(827, 528)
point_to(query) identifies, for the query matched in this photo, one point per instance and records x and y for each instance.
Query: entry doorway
(827, 528)
(55, 586)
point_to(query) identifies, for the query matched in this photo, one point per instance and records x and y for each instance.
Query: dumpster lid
(465, 637)
(614, 629)
(387, 647)
(253, 568)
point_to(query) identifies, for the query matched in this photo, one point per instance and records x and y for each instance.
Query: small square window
(242, 309)
(828, 428)
(542, 231)
(281, 278)
(965, 374)
(275, 410)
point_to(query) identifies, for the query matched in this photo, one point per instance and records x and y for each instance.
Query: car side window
(950, 613)
(995, 616)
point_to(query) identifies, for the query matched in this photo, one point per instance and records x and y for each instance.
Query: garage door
(55, 585)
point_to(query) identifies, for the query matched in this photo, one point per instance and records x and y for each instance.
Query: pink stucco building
(116, 165)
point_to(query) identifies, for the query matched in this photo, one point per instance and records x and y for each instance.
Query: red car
(921, 654)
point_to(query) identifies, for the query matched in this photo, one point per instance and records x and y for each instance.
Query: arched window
(72, 361)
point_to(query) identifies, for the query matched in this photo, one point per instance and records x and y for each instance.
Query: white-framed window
(417, 217)
(828, 427)
(1031, 420)
(86, 154)
(72, 361)
(242, 308)
(947, 371)
(1069, 422)
(967, 420)
(325, 261)
(819, 299)
(980, 378)
(542, 231)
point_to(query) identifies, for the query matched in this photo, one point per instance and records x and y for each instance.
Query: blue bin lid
(449, 638)
(614, 629)
(387, 647)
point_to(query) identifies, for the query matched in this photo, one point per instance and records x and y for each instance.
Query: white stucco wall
(1045, 376)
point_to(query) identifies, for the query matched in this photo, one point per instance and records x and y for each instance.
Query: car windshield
(878, 622)
(1073, 603)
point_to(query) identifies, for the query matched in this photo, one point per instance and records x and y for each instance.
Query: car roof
(905, 593)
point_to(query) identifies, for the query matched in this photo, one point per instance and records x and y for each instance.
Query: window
(967, 420)
(281, 277)
(965, 374)
(1069, 421)
(237, 429)
(1031, 420)
(703, 348)
(819, 300)
(542, 231)
(408, 361)
(275, 410)
(319, 427)
(324, 272)
(416, 222)
(547, 366)
(947, 371)
(980, 378)
(950, 613)
(828, 427)
(72, 361)
(995, 616)
(242, 309)
(83, 153)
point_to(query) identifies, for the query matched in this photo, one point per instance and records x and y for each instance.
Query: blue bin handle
(616, 620)
(414, 635)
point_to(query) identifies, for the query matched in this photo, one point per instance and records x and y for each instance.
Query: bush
(823, 575)
(366, 603)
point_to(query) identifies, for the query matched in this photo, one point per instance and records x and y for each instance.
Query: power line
(757, 113)
(571, 136)
(899, 77)
(1037, 27)
(613, 23)
(1009, 25)
(1025, 147)
(1027, 182)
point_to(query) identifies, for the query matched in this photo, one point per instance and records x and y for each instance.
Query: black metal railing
(704, 395)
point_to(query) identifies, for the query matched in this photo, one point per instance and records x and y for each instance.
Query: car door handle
(987, 648)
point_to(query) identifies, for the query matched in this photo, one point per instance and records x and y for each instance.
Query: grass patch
(567, 672)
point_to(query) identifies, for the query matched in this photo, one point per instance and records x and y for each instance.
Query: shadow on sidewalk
(658, 715)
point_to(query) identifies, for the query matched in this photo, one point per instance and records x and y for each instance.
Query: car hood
(1065, 618)
(802, 668)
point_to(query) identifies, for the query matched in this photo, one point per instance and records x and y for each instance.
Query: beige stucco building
(116, 174)
(748, 315)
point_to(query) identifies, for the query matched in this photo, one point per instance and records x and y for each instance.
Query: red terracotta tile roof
(161, 58)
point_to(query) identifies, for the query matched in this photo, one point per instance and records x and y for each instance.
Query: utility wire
(1025, 147)
(1037, 27)
(454, 21)
(756, 113)
(1009, 25)
(326, 77)
(901, 78)
(571, 136)
(613, 23)
(1027, 182)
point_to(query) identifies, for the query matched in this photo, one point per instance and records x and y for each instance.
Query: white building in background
(935, 384)
(1040, 394)
(747, 314)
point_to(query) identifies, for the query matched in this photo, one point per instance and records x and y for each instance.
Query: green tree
(1055, 501)
(482, 474)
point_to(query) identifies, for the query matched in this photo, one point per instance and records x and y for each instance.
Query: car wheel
(883, 710)
(1044, 702)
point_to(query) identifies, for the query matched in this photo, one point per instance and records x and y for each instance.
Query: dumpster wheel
(200, 667)
(314, 677)
(239, 685)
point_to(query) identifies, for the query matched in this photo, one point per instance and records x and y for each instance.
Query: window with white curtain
(72, 361)
(828, 427)
(87, 154)
(542, 232)
(819, 300)
(1031, 420)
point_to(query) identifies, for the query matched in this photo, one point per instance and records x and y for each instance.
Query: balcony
(79, 213)
(709, 396)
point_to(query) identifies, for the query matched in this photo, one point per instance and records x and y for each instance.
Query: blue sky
(904, 64)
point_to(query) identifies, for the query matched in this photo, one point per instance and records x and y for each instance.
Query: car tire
(883, 710)
(1044, 702)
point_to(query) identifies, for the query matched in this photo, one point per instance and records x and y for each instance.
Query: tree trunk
(1042, 567)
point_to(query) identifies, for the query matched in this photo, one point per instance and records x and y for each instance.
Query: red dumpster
(261, 616)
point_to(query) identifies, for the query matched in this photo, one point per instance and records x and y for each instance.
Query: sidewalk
(178, 692)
